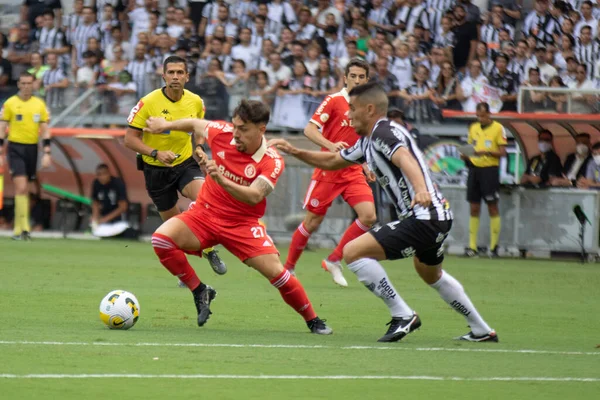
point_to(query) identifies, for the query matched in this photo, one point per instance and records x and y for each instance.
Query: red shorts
(243, 238)
(320, 195)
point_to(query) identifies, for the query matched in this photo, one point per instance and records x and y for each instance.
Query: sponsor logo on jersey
(346, 122)
(216, 125)
(323, 105)
(228, 128)
(221, 154)
(165, 112)
(37, 118)
(233, 177)
(277, 169)
(134, 111)
(314, 203)
(250, 171)
(324, 117)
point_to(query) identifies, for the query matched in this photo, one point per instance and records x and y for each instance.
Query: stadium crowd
(428, 54)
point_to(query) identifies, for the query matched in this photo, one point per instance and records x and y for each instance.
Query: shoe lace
(394, 324)
(319, 323)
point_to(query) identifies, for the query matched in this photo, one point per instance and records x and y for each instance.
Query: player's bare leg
(365, 212)
(167, 215)
(191, 191)
(291, 290)
(362, 256)
(21, 220)
(300, 238)
(170, 242)
(452, 292)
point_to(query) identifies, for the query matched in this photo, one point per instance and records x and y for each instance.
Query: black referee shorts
(483, 183)
(413, 237)
(163, 183)
(22, 160)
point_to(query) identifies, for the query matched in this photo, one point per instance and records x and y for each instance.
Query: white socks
(453, 293)
(374, 277)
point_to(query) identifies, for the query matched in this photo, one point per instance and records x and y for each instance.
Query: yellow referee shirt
(488, 138)
(24, 118)
(157, 104)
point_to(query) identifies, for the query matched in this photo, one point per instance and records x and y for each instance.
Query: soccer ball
(119, 310)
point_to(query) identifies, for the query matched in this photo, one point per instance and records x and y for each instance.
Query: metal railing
(572, 101)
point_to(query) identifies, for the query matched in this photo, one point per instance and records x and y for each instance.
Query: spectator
(304, 30)
(587, 19)
(388, 81)
(237, 84)
(52, 40)
(518, 63)
(244, 11)
(276, 71)
(261, 90)
(539, 23)
(281, 13)
(87, 29)
(188, 38)
(402, 66)
(88, 73)
(506, 81)
(582, 103)
(19, 52)
(576, 164)
(124, 92)
(533, 100)
(215, 50)
(410, 15)
(108, 21)
(320, 12)
(569, 75)
(109, 204)
(38, 69)
(483, 55)
(223, 21)
(591, 180)
(567, 50)
(73, 20)
(32, 9)
(445, 39)
(469, 85)
(557, 101)
(6, 86)
(444, 95)
(214, 92)
(587, 51)
(296, 55)
(465, 33)
(259, 35)
(140, 20)
(417, 102)
(547, 71)
(117, 40)
(544, 166)
(299, 83)
(377, 17)
(324, 81)
(473, 13)
(313, 57)
(141, 70)
(174, 23)
(55, 82)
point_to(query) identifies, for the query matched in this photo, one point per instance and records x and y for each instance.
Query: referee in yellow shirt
(489, 139)
(26, 116)
(167, 161)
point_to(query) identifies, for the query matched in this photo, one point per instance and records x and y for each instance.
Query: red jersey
(332, 118)
(240, 168)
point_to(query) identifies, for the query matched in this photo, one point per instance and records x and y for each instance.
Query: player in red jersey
(239, 178)
(331, 129)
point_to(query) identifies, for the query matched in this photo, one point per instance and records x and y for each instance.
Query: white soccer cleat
(335, 269)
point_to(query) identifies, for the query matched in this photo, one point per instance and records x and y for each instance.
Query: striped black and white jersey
(377, 151)
(80, 37)
(588, 54)
(55, 98)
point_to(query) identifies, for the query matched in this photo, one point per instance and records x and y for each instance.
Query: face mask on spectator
(545, 146)
(582, 149)
(597, 159)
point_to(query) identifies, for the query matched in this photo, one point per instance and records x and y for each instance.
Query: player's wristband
(1, 142)
(46, 143)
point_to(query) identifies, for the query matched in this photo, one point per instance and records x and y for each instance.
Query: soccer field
(53, 344)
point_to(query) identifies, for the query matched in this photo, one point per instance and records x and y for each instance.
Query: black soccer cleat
(319, 327)
(470, 253)
(26, 236)
(488, 337)
(493, 253)
(202, 299)
(215, 261)
(400, 327)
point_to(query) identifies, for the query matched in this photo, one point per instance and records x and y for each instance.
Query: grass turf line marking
(301, 346)
(303, 377)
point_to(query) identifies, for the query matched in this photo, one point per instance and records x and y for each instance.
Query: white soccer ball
(119, 310)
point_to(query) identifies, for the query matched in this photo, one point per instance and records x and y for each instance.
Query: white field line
(300, 346)
(303, 377)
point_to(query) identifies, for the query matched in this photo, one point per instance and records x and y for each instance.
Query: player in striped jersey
(424, 215)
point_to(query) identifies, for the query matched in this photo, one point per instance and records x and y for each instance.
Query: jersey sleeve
(44, 113)
(201, 108)
(501, 137)
(387, 141)
(138, 116)
(273, 168)
(214, 128)
(355, 153)
(6, 112)
(470, 139)
(323, 113)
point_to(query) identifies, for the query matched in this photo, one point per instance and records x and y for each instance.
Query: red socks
(299, 241)
(174, 259)
(294, 295)
(355, 230)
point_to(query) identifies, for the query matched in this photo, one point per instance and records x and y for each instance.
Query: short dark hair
(483, 106)
(545, 132)
(26, 74)
(101, 166)
(596, 146)
(395, 113)
(503, 55)
(583, 135)
(48, 12)
(359, 63)
(253, 111)
(375, 91)
(174, 60)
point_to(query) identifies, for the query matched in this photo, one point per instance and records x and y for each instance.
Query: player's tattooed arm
(264, 187)
(252, 195)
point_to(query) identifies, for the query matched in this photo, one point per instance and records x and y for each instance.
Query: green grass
(50, 291)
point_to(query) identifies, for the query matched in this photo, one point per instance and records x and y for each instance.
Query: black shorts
(163, 183)
(413, 237)
(22, 160)
(483, 183)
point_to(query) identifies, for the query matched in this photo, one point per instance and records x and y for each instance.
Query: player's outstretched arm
(312, 133)
(319, 159)
(404, 160)
(159, 125)
(252, 195)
